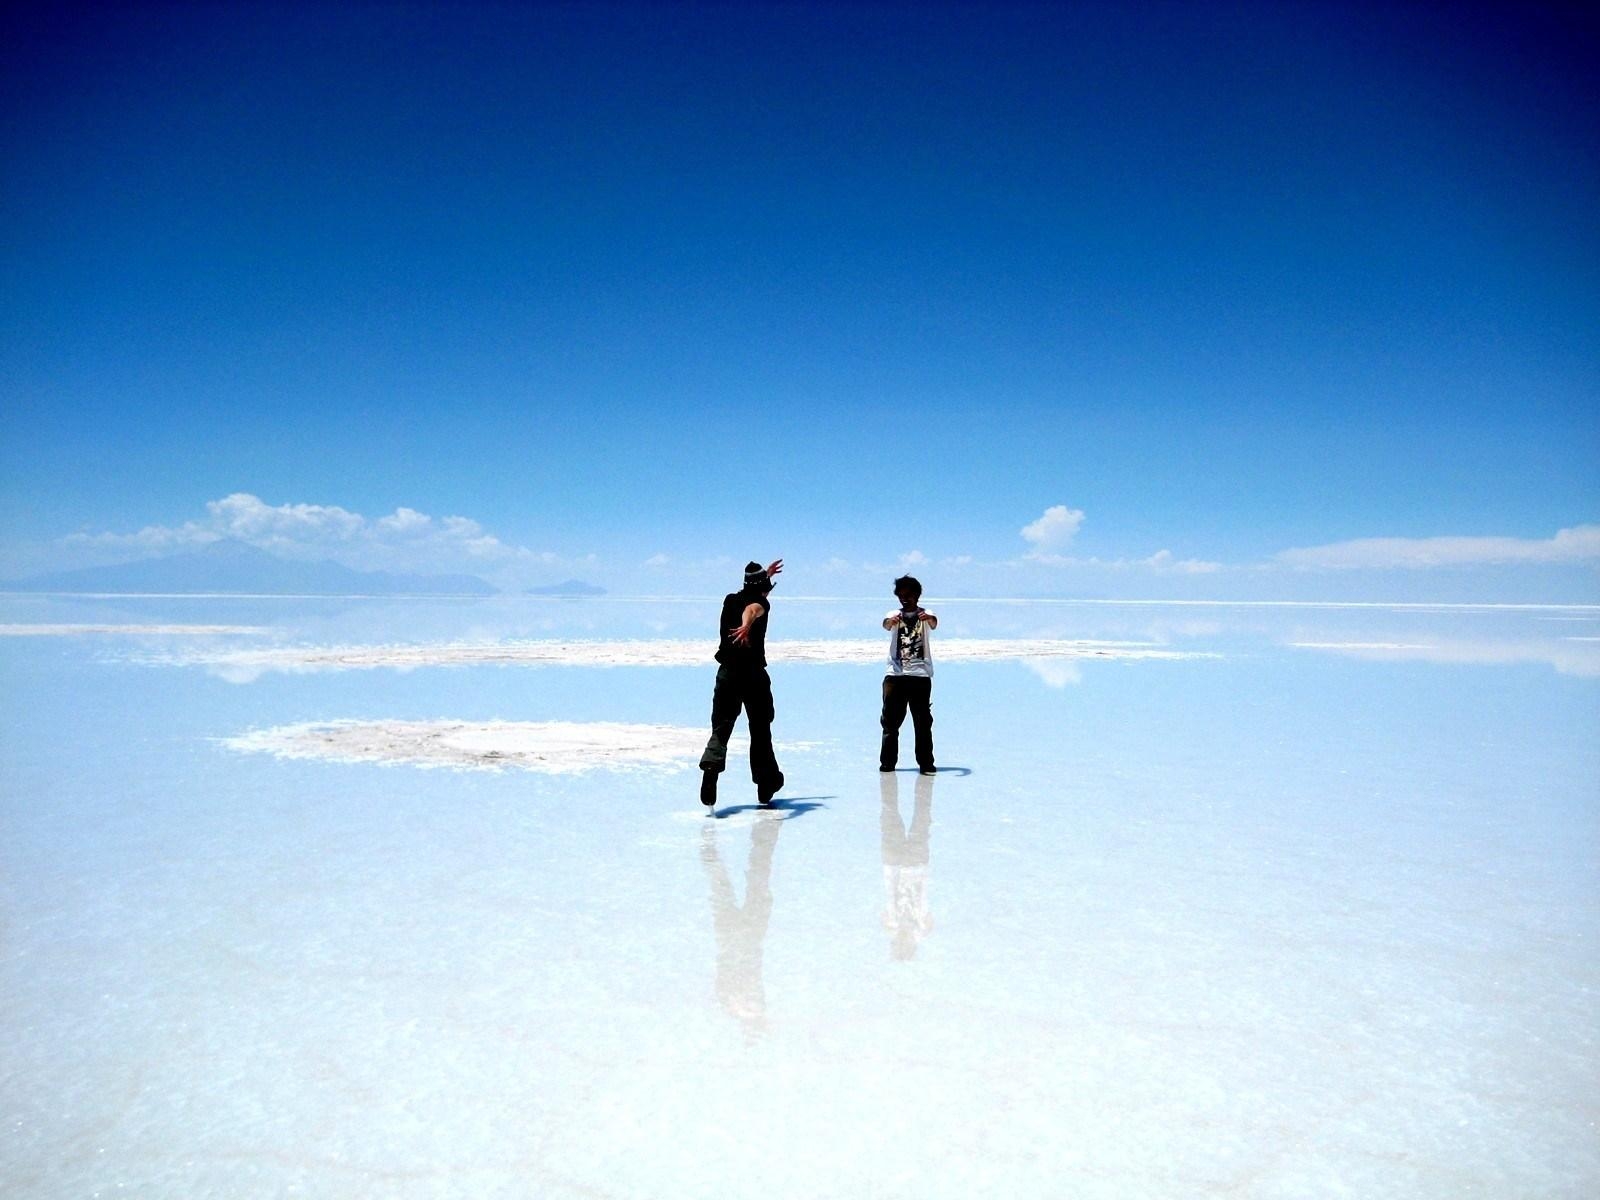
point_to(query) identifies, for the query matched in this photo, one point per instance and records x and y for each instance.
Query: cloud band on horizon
(1577, 545)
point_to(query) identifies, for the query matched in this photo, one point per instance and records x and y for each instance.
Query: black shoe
(927, 770)
(886, 770)
(767, 791)
(708, 788)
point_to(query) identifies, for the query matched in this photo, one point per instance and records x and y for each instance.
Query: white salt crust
(655, 653)
(550, 747)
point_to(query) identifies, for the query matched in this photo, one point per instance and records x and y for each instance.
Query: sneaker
(708, 788)
(767, 791)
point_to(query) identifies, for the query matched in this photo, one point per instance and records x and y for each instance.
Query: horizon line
(612, 598)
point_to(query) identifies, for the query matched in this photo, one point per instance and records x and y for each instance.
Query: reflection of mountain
(572, 587)
(231, 566)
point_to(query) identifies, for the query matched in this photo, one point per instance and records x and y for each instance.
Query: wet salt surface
(1283, 922)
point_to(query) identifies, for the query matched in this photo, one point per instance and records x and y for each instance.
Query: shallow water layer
(1313, 915)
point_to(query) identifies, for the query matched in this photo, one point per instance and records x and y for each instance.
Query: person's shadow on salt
(741, 930)
(786, 809)
(906, 861)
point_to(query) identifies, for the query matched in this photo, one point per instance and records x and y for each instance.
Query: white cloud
(1580, 544)
(1053, 531)
(405, 521)
(657, 560)
(914, 558)
(152, 539)
(1163, 562)
(405, 540)
(249, 519)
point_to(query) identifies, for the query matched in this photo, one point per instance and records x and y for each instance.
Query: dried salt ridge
(245, 664)
(550, 747)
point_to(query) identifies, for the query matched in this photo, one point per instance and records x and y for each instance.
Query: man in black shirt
(742, 682)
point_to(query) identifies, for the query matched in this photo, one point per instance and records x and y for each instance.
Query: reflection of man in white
(905, 867)
(742, 931)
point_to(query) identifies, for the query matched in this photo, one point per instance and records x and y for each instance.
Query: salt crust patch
(658, 653)
(122, 630)
(552, 747)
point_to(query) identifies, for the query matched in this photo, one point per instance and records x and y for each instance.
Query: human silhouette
(905, 866)
(741, 930)
(743, 683)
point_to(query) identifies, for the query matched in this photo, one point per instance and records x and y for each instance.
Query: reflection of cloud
(551, 747)
(1164, 631)
(241, 666)
(1578, 544)
(1569, 656)
(1056, 673)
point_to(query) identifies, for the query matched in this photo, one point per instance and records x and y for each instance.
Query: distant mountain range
(572, 587)
(232, 566)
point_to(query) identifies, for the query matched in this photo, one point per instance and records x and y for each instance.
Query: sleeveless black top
(754, 652)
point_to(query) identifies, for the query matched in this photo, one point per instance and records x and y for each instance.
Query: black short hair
(908, 583)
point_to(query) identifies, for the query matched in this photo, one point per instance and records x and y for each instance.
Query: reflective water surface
(1308, 910)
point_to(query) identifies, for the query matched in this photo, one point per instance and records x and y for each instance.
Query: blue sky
(634, 291)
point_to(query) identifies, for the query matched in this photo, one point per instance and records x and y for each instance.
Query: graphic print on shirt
(910, 638)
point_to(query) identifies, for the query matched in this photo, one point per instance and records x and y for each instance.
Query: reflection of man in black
(741, 932)
(905, 866)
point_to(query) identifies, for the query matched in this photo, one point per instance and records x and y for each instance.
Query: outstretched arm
(740, 634)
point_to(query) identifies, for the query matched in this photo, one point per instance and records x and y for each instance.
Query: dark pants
(901, 692)
(751, 691)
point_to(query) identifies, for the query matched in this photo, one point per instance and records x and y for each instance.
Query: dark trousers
(901, 692)
(751, 691)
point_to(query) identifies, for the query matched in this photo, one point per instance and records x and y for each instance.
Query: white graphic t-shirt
(909, 650)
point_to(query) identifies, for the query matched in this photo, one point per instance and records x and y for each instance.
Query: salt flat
(1301, 910)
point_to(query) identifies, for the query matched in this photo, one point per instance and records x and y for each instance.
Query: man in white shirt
(908, 682)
